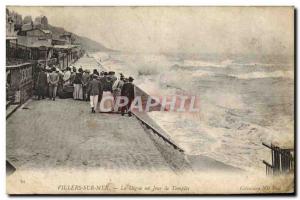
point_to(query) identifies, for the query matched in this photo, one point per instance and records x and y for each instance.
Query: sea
(245, 100)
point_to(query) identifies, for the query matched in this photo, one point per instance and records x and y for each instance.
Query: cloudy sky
(178, 29)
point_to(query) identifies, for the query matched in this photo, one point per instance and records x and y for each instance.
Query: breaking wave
(201, 63)
(237, 103)
(274, 74)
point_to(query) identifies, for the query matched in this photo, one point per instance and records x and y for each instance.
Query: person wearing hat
(94, 88)
(77, 93)
(107, 83)
(128, 91)
(96, 72)
(85, 82)
(61, 80)
(117, 86)
(42, 84)
(73, 74)
(67, 76)
(53, 82)
(48, 72)
(112, 75)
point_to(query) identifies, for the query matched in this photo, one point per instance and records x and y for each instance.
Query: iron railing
(282, 160)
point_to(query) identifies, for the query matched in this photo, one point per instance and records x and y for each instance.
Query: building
(33, 41)
(27, 20)
(26, 27)
(19, 82)
(41, 22)
(10, 25)
(67, 37)
(11, 36)
(58, 41)
(17, 19)
(65, 52)
(29, 44)
(36, 44)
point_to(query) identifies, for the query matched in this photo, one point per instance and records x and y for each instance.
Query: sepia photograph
(150, 100)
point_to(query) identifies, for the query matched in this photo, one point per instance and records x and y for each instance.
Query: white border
(107, 3)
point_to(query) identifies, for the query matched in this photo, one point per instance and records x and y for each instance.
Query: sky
(235, 30)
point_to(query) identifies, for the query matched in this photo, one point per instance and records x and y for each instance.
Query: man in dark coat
(128, 91)
(94, 89)
(77, 93)
(73, 74)
(107, 84)
(42, 84)
(112, 75)
(96, 72)
(102, 78)
(100, 91)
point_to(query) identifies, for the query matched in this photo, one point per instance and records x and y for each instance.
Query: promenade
(50, 134)
(63, 133)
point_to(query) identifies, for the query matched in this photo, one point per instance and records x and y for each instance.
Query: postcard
(150, 100)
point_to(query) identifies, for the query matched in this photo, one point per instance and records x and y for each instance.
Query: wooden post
(273, 154)
(277, 159)
(283, 160)
(63, 58)
(46, 57)
(16, 48)
(67, 60)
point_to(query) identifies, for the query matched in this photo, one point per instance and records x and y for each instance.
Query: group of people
(47, 82)
(87, 86)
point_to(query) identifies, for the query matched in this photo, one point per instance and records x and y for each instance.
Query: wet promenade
(63, 133)
(58, 134)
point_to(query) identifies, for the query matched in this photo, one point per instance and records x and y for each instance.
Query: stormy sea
(244, 100)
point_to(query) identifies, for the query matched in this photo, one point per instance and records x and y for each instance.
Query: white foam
(236, 142)
(201, 63)
(274, 74)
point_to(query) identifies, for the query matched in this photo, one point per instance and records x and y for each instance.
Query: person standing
(67, 76)
(100, 93)
(96, 72)
(53, 82)
(112, 75)
(102, 78)
(48, 72)
(107, 92)
(85, 82)
(42, 84)
(116, 88)
(73, 74)
(93, 90)
(61, 81)
(77, 93)
(128, 91)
